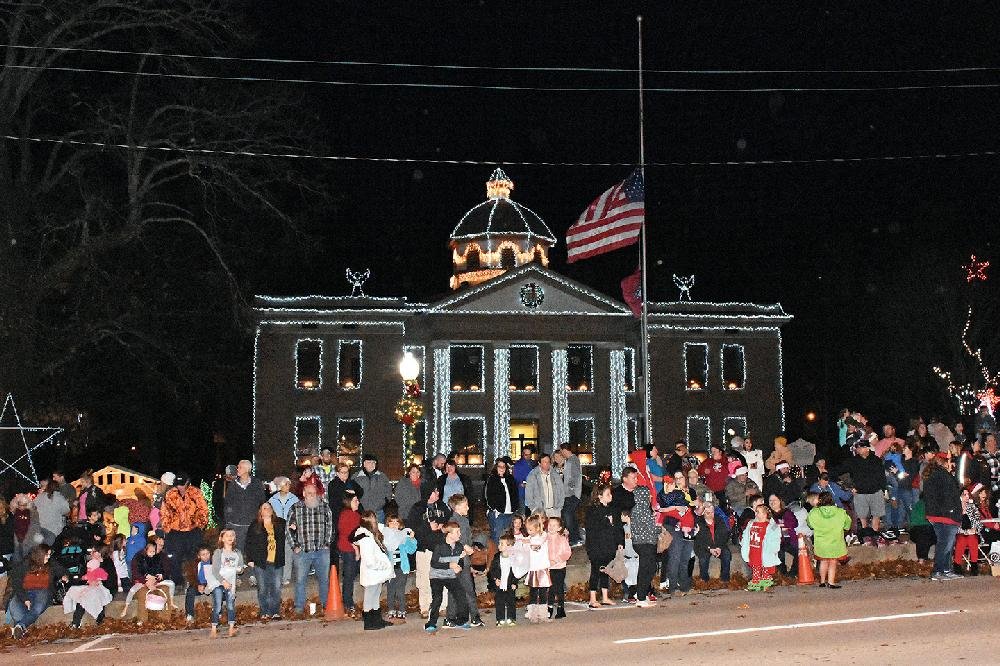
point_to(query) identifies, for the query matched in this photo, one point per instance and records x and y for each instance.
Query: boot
(552, 612)
(973, 568)
(378, 620)
(957, 568)
(560, 611)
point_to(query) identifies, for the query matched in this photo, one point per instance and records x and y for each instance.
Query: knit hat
(168, 478)
(741, 470)
(976, 488)
(780, 466)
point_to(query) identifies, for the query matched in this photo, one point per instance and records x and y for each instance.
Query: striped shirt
(311, 529)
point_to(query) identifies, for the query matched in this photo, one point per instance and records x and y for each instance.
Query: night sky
(866, 256)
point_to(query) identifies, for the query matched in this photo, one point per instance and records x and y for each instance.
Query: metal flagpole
(647, 410)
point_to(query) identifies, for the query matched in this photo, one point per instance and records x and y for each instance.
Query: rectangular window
(350, 439)
(581, 436)
(131, 479)
(733, 426)
(349, 364)
(524, 368)
(419, 439)
(418, 352)
(698, 433)
(629, 370)
(734, 369)
(468, 439)
(467, 368)
(580, 368)
(309, 364)
(696, 366)
(308, 436)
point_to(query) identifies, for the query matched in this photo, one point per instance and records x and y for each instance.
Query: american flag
(613, 221)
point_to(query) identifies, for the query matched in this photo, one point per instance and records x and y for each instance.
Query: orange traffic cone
(806, 576)
(334, 600)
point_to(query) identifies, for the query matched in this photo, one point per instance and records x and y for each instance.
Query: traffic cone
(334, 600)
(806, 576)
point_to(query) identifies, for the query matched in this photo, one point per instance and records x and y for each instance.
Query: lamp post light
(409, 408)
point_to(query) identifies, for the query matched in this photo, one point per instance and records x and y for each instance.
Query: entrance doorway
(522, 433)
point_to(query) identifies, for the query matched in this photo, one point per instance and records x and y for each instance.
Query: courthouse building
(516, 354)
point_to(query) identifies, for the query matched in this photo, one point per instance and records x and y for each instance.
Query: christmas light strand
(560, 396)
(501, 402)
(619, 415)
(442, 400)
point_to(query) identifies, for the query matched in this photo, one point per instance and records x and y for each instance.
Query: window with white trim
(524, 368)
(696, 366)
(580, 368)
(582, 437)
(733, 426)
(349, 364)
(467, 373)
(309, 364)
(308, 436)
(468, 439)
(350, 439)
(698, 432)
(734, 369)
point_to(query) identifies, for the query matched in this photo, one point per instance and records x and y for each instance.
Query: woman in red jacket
(349, 520)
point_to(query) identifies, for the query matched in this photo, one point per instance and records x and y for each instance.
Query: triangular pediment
(531, 289)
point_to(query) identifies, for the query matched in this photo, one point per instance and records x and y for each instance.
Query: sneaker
(448, 624)
(644, 603)
(951, 575)
(629, 600)
(477, 622)
(189, 619)
(937, 575)
(650, 597)
(19, 631)
(576, 544)
(511, 623)
(665, 585)
(275, 616)
(465, 626)
(430, 628)
(881, 543)
(501, 623)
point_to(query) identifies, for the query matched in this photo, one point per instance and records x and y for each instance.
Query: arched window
(472, 259)
(508, 259)
(538, 259)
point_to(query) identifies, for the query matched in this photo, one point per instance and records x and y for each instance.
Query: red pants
(965, 542)
(762, 573)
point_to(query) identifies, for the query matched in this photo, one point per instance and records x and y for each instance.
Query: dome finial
(499, 185)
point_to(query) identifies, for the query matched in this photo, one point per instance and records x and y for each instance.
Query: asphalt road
(883, 622)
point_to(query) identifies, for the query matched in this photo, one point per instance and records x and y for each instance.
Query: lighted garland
(206, 491)
(560, 396)
(442, 399)
(409, 410)
(619, 415)
(501, 398)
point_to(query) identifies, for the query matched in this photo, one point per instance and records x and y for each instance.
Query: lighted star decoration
(17, 442)
(975, 270)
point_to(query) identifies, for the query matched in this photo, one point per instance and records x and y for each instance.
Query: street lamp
(409, 408)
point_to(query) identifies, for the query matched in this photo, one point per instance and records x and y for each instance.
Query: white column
(560, 397)
(442, 400)
(501, 402)
(619, 415)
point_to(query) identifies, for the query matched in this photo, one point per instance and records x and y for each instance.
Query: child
(759, 547)
(517, 528)
(631, 564)
(828, 523)
(459, 506)
(446, 564)
(149, 575)
(539, 579)
(502, 582)
(400, 543)
(676, 505)
(120, 561)
(95, 529)
(201, 580)
(376, 569)
(91, 598)
(227, 564)
(559, 554)
(968, 535)
(135, 544)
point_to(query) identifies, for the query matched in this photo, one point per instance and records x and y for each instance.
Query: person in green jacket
(828, 524)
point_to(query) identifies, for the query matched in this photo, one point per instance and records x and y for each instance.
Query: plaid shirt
(994, 462)
(325, 473)
(311, 529)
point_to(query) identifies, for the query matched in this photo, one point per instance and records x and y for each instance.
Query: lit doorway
(522, 433)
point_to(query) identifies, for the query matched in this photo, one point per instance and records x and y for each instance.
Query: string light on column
(501, 402)
(560, 397)
(442, 400)
(619, 415)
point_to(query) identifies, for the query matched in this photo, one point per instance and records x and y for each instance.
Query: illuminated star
(11, 457)
(975, 270)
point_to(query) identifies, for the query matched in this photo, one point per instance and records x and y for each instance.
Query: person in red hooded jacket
(715, 471)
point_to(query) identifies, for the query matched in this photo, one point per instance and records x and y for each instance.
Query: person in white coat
(376, 568)
(754, 459)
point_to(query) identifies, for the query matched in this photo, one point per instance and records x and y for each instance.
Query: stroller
(73, 559)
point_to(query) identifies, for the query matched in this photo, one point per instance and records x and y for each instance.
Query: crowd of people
(665, 512)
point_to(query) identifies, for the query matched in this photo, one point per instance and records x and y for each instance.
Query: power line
(499, 68)
(463, 86)
(416, 160)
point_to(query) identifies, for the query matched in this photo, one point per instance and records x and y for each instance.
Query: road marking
(781, 627)
(86, 647)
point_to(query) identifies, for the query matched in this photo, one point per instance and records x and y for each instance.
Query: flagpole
(645, 293)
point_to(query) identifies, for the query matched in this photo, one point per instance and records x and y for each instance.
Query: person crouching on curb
(446, 564)
(828, 523)
(759, 547)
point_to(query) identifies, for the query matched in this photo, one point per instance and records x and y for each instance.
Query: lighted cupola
(497, 235)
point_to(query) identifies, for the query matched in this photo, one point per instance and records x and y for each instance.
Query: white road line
(86, 647)
(781, 627)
